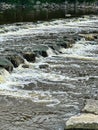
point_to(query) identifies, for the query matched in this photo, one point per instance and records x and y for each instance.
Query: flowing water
(70, 75)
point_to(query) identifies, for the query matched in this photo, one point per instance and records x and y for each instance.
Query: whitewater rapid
(17, 83)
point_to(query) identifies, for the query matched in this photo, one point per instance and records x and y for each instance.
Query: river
(57, 84)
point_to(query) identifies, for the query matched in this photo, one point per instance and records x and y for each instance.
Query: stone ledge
(83, 121)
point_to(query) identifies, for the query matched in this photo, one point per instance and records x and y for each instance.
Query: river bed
(58, 90)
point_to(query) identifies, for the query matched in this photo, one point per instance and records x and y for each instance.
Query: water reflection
(30, 14)
(21, 14)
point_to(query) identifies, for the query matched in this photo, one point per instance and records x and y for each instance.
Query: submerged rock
(16, 60)
(83, 121)
(25, 66)
(43, 66)
(5, 63)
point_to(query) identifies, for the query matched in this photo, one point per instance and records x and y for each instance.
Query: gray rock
(83, 121)
(16, 60)
(25, 66)
(5, 63)
(43, 66)
(91, 106)
(29, 56)
(40, 50)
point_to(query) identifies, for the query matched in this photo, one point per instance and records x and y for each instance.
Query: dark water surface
(29, 14)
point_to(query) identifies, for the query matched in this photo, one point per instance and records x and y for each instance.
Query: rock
(43, 66)
(29, 86)
(59, 46)
(40, 50)
(5, 63)
(63, 44)
(87, 120)
(29, 56)
(25, 66)
(54, 47)
(91, 106)
(83, 122)
(16, 60)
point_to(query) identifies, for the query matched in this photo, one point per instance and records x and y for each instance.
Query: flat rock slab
(91, 106)
(83, 121)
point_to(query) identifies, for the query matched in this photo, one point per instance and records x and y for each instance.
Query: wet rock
(83, 121)
(29, 86)
(55, 47)
(16, 60)
(25, 66)
(66, 44)
(87, 120)
(40, 50)
(5, 63)
(43, 66)
(91, 106)
(29, 56)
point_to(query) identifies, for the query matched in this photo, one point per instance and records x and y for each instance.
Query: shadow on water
(21, 14)
(28, 15)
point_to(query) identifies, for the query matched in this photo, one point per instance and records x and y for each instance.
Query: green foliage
(24, 2)
(81, 1)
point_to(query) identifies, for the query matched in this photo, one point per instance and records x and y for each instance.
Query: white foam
(69, 25)
(50, 52)
(20, 76)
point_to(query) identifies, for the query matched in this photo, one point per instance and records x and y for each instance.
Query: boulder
(56, 47)
(83, 122)
(5, 63)
(91, 106)
(29, 56)
(15, 59)
(40, 50)
(86, 121)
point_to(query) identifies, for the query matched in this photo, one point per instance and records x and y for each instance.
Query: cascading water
(62, 79)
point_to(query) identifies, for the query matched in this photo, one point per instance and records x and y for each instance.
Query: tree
(24, 2)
